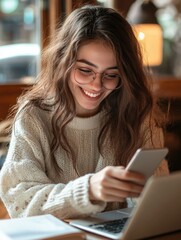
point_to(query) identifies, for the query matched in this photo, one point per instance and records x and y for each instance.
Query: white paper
(37, 227)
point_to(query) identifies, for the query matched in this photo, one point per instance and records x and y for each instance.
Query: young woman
(78, 127)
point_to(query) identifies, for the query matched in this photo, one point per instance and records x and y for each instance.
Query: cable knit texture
(29, 184)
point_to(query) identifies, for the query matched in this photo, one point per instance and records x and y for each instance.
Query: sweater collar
(86, 123)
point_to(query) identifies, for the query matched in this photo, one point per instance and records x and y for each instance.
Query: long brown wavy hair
(126, 108)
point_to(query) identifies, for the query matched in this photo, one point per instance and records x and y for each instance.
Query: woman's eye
(85, 70)
(111, 76)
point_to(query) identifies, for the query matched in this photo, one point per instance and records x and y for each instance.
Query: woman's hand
(114, 184)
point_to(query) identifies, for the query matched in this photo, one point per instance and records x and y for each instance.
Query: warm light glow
(151, 42)
(141, 36)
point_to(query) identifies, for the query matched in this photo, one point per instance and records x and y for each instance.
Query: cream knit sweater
(28, 183)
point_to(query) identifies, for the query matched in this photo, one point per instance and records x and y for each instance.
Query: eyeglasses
(83, 76)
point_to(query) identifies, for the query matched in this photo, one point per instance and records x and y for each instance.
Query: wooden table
(3, 212)
(171, 236)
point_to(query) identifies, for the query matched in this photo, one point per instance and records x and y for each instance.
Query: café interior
(26, 27)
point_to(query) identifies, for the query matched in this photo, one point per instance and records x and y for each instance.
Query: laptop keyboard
(114, 226)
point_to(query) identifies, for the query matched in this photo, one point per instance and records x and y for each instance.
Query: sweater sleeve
(25, 188)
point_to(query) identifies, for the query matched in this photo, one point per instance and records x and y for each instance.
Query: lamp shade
(151, 42)
(142, 11)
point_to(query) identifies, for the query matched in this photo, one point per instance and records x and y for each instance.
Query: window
(19, 41)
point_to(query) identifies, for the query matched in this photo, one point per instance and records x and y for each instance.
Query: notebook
(39, 227)
(157, 211)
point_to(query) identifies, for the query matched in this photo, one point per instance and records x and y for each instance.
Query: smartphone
(146, 161)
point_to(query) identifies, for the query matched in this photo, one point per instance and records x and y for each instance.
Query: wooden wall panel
(8, 97)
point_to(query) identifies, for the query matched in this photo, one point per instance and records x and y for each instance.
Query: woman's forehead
(97, 52)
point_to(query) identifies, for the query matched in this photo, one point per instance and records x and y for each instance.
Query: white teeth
(91, 94)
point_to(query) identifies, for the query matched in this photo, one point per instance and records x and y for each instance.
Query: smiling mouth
(92, 95)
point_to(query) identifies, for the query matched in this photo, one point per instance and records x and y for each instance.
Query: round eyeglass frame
(102, 77)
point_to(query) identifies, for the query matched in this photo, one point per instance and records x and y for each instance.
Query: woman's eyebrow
(93, 65)
(86, 62)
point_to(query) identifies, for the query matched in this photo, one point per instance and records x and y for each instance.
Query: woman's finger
(121, 174)
(112, 183)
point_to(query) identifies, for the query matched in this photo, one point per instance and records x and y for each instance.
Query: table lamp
(142, 16)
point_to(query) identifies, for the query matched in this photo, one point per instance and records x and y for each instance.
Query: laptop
(158, 211)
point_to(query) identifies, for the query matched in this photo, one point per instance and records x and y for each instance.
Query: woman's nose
(97, 81)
